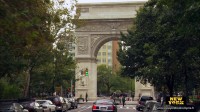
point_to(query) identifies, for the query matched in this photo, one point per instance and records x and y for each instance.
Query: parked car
(11, 107)
(33, 106)
(151, 106)
(48, 104)
(61, 106)
(68, 103)
(65, 104)
(71, 99)
(104, 105)
(142, 101)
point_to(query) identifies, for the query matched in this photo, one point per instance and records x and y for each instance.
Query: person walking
(123, 100)
(86, 97)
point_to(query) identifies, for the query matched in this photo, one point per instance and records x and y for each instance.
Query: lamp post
(54, 76)
(71, 87)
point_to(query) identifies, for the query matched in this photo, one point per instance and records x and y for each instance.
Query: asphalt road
(87, 107)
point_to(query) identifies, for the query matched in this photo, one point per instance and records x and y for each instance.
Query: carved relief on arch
(102, 26)
(114, 25)
(83, 44)
(125, 26)
(94, 38)
(94, 27)
(97, 37)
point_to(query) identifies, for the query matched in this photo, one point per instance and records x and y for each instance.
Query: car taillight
(58, 104)
(94, 107)
(111, 108)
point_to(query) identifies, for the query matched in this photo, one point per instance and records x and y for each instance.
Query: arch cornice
(105, 25)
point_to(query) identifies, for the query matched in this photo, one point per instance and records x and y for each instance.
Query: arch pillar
(143, 89)
(86, 84)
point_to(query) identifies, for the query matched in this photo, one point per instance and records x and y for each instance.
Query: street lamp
(54, 76)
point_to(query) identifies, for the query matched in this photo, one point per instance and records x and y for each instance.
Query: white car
(48, 104)
(68, 103)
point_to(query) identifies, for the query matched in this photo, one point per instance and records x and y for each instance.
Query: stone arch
(101, 41)
(103, 23)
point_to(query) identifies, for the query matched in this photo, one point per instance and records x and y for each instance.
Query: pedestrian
(162, 100)
(123, 100)
(86, 97)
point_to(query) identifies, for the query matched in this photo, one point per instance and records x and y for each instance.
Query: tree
(104, 78)
(108, 82)
(26, 35)
(161, 50)
(64, 21)
(25, 30)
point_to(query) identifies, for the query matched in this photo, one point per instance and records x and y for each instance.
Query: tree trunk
(27, 83)
(186, 82)
(170, 85)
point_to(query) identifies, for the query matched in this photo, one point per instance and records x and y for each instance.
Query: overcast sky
(97, 1)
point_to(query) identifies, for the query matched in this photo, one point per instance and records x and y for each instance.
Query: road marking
(127, 107)
(84, 109)
(83, 106)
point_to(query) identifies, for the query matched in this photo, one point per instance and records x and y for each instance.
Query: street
(87, 107)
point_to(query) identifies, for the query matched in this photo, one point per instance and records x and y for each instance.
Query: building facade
(108, 55)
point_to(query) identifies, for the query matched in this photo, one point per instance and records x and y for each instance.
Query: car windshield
(104, 102)
(41, 102)
(34, 104)
(144, 98)
(50, 102)
(56, 99)
(62, 99)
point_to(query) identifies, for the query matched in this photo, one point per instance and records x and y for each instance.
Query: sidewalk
(131, 102)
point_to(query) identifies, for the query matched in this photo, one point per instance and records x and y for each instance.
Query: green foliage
(23, 31)
(27, 40)
(9, 91)
(108, 82)
(163, 45)
(104, 78)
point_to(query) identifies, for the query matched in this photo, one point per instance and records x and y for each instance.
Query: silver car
(47, 104)
(68, 103)
(104, 105)
(11, 107)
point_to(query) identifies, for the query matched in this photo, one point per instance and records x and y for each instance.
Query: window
(109, 47)
(99, 60)
(104, 60)
(104, 54)
(109, 54)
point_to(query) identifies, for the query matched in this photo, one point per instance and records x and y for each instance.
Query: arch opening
(100, 42)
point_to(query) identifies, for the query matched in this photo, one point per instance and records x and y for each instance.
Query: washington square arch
(103, 22)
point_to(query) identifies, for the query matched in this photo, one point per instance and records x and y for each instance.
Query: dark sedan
(104, 105)
(11, 107)
(32, 106)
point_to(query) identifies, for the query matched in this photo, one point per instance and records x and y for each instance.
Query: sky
(97, 1)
